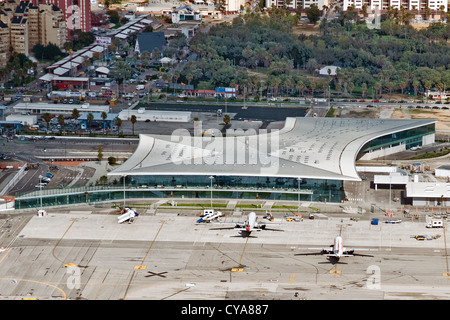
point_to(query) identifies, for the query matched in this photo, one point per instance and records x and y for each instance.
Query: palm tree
(226, 119)
(47, 117)
(104, 116)
(89, 118)
(118, 123)
(61, 122)
(75, 113)
(301, 86)
(364, 89)
(133, 121)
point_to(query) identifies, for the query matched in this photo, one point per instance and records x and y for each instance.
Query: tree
(61, 122)
(122, 71)
(104, 116)
(75, 113)
(47, 117)
(118, 123)
(133, 120)
(89, 118)
(99, 153)
(364, 89)
(226, 119)
(112, 160)
(313, 14)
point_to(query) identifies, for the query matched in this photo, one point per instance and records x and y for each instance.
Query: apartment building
(434, 5)
(19, 34)
(4, 44)
(51, 25)
(23, 25)
(294, 4)
(76, 13)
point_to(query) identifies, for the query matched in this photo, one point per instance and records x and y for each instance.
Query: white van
(140, 87)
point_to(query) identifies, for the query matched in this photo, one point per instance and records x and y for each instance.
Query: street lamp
(40, 188)
(124, 191)
(211, 177)
(299, 180)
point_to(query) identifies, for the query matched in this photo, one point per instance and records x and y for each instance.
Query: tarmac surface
(83, 253)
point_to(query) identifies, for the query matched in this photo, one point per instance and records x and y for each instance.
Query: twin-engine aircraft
(248, 226)
(337, 250)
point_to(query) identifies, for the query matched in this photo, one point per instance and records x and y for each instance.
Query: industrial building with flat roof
(57, 108)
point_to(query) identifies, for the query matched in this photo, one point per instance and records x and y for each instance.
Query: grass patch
(429, 155)
(248, 206)
(284, 207)
(203, 205)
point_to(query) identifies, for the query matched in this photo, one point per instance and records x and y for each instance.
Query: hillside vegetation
(261, 53)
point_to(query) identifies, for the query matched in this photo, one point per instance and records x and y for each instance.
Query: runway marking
(142, 267)
(53, 251)
(160, 274)
(4, 256)
(335, 271)
(242, 254)
(291, 278)
(153, 241)
(64, 296)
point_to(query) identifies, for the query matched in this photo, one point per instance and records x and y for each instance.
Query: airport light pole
(211, 177)
(124, 191)
(40, 188)
(299, 180)
(390, 193)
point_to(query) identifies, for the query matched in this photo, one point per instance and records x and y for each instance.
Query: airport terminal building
(308, 158)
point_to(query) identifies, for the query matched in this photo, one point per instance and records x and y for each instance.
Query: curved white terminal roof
(319, 148)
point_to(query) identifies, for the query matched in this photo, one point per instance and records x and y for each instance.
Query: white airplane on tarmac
(337, 250)
(251, 224)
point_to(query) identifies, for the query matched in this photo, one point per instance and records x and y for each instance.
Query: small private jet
(251, 224)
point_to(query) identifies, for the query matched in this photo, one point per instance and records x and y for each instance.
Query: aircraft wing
(320, 250)
(358, 249)
(224, 228)
(236, 225)
(351, 251)
(268, 229)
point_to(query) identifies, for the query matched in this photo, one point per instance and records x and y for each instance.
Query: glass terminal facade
(227, 187)
(411, 137)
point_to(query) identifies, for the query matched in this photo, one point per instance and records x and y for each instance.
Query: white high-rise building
(294, 4)
(396, 4)
(234, 5)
